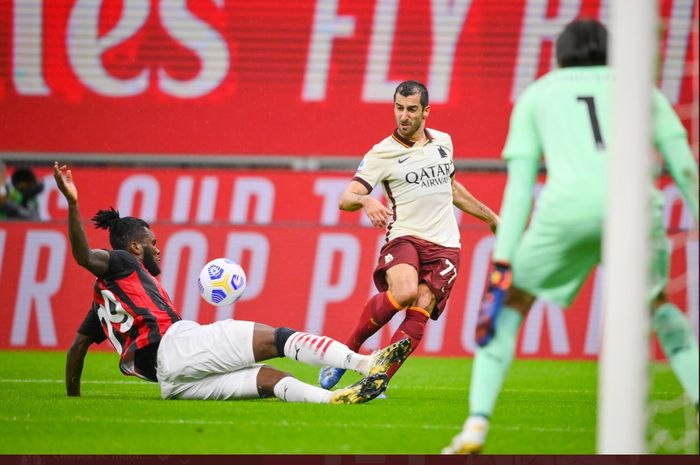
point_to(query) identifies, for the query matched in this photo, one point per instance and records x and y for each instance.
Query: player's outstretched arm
(95, 260)
(671, 138)
(465, 201)
(74, 363)
(683, 169)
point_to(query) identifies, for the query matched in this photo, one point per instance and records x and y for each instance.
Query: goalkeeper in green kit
(564, 116)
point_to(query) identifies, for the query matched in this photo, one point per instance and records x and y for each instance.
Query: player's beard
(412, 129)
(150, 262)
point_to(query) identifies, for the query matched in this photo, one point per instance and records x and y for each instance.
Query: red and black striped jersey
(134, 311)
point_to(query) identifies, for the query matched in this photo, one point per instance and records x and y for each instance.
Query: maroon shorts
(437, 266)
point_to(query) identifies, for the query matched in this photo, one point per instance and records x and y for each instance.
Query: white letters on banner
(184, 195)
(538, 28)
(139, 187)
(327, 26)
(532, 332)
(206, 42)
(330, 189)
(247, 188)
(377, 87)
(85, 46)
(322, 290)
(592, 342)
(208, 195)
(33, 295)
(28, 75)
(447, 19)
(680, 24)
(39, 261)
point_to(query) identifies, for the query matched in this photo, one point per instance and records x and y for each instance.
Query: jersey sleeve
(92, 328)
(515, 209)
(667, 125)
(523, 138)
(671, 139)
(370, 172)
(522, 151)
(121, 264)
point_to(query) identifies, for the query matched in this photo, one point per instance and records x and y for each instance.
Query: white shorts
(213, 361)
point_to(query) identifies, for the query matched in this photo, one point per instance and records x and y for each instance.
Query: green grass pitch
(546, 407)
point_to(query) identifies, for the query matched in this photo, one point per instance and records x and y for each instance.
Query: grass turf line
(546, 407)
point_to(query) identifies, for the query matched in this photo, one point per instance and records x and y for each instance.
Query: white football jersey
(417, 182)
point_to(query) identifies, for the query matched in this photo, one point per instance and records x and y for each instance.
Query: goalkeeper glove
(492, 302)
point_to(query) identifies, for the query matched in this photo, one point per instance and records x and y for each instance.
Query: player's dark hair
(583, 42)
(25, 181)
(408, 88)
(122, 231)
(23, 174)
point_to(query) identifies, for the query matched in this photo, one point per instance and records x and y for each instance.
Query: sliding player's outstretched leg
(362, 391)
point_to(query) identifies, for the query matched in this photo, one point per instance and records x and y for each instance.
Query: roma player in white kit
(419, 263)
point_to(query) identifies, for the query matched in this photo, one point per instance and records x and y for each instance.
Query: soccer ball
(221, 282)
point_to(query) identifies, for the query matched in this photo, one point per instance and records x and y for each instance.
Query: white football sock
(291, 389)
(322, 350)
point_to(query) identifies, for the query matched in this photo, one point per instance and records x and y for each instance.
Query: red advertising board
(308, 265)
(298, 78)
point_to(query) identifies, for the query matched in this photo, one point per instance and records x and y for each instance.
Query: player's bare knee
(519, 300)
(425, 299)
(405, 294)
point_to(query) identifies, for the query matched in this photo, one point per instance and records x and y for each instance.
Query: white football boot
(472, 438)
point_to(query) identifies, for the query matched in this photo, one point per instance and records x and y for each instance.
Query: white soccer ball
(221, 282)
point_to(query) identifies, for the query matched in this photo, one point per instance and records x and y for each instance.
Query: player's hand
(64, 181)
(377, 213)
(492, 302)
(493, 226)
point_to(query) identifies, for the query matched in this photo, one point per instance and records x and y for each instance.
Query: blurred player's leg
(471, 439)
(491, 364)
(679, 345)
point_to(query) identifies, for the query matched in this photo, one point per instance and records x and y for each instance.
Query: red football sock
(412, 327)
(378, 310)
